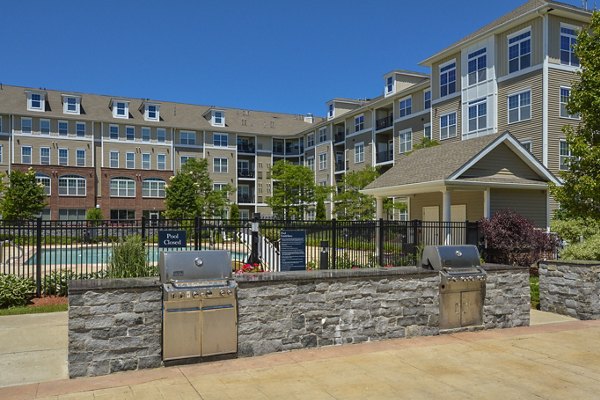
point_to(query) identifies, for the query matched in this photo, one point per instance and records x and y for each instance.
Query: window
(153, 188)
(161, 135)
(477, 67)
(26, 155)
(310, 140)
(45, 155)
(448, 79)
(114, 132)
(44, 180)
(406, 107)
(427, 131)
(63, 128)
(268, 187)
(80, 156)
(220, 165)
(25, 125)
(447, 126)
(146, 161)
(145, 134)
(322, 161)
(130, 160)
(80, 129)
(405, 141)
(122, 215)
(71, 214)
(477, 115)
(151, 112)
(427, 99)
(527, 145)
(161, 162)
(217, 187)
(130, 133)
(564, 155)
(71, 105)
(184, 159)
(310, 163)
(71, 185)
(389, 85)
(568, 39)
(45, 126)
(63, 156)
(359, 123)
(35, 102)
(218, 118)
(1, 152)
(359, 152)
(322, 135)
(519, 107)
(220, 139)
(187, 137)
(330, 111)
(519, 51)
(120, 109)
(565, 93)
(114, 159)
(122, 187)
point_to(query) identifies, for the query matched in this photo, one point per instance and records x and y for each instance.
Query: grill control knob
(181, 295)
(229, 292)
(222, 292)
(195, 294)
(209, 292)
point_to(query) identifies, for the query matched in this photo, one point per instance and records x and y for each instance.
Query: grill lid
(458, 258)
(194, 265)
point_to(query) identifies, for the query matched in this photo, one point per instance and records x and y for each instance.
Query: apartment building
(117, 153)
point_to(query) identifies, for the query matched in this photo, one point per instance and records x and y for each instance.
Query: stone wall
(570, 288)
(114, 325)
(507, 298)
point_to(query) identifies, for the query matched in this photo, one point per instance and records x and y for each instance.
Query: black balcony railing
(339, 137)
(339, 166)
(246, 148)
(385, 156)
(383, 123)
(245, 198)
(245, 173)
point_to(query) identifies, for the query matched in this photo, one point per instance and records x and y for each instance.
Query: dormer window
(151, 112)
(330, 111)
(120, 109)
(389, 85)
(36, 101)
(71, 104)
(218, 118)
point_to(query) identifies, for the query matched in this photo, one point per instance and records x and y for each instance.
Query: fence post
(381, 241)
(254, 259)
(333, 243)
(197, 232)
(38, 257)
(416, 225)
(143, 229)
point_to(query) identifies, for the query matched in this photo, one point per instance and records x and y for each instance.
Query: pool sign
(293, 250)
(168, 239)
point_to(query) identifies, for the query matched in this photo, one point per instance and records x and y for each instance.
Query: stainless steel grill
(462, 284)
(199, 304)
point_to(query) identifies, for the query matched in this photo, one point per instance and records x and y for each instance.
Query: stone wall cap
(83, 285)
(580, 263)
(488, 267)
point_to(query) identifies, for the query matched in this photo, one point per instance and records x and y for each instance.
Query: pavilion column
(447, 216)
(486, 203)
(378, 217)
(378, 207)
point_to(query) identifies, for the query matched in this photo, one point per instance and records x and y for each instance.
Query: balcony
(245, 198)
(247, 148)
(339, 166)
(385, 156)
(385, 122)
(245, 173)
(339, 137)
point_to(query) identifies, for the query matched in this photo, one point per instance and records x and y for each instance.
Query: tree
(350, 204)
(293, 190)
(190, 193)
(94, 215)
(23, 197)
(579, 195)
(234, 212)
(321, 213)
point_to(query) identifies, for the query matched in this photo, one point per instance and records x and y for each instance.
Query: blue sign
(169, 239)
(293, 250)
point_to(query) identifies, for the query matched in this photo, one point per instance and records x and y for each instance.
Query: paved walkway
(551, 360)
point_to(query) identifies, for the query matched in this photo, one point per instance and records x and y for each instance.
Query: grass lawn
(34, 309)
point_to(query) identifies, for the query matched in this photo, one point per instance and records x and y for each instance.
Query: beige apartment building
(117, 153)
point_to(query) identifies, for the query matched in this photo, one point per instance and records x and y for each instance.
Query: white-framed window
(80, 129)
(564, 155)
(427, 99)
(565, 93)
(519, 106)
(218, 118)
(63, 128)
(359, 123)
(71, 104)
(153, 188)
(187, 137)
(26, 125)
(130, 160)
(145, 134)
(120, 109)
(71, 214)
(389, 85)
(45, 126)
(359, 152)
(161, 161)
(1, 152)
(322, 161)
(447, 78)
(406, 106)
(427, 131)
(130, 133)
(114, 159)
(45, 181)
(122, 187)
(220, 165)
(161, 135)
(220, 139)
(477, 113)
(447, 126)
(405, 139)
(1, 130)
(519, 51)
(310, 140)
(146, 161)
(26, 155)
(184, 159)
(36, 101)
(310, 163)
(527, 145)
(80, 157)
(322, 135)
(477, 66)
(45, 155)
(568, 39)
(63, 156)
(114, 132)
(330, 111)
(151, 112)
(71, 185)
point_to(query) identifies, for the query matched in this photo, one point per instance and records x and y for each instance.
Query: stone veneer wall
(114, 325)
(507, 297)
(570, 288)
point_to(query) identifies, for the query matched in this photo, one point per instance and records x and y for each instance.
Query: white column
(486, 203)
(379, 207)
(447, 215)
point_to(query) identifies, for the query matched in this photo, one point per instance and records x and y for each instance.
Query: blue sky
(270, 55)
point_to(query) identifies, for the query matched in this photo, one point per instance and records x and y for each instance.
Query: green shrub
(56, 282)
(15, 291)
(128, 259)
(573, 230)
(534, 284)
(95, 216)
(586, 250)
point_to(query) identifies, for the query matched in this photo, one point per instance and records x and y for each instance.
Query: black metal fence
(82, 249)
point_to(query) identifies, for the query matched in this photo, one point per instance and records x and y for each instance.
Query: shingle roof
(172, 115)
